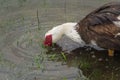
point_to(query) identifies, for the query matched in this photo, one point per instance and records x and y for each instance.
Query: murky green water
(22, 56)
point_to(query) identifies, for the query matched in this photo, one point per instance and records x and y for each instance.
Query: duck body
(100, 29)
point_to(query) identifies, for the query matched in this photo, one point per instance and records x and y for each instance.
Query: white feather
(73, 35)
(118, 17)
(117, 23)
(118, 34)
(56, 33)
(67, 29)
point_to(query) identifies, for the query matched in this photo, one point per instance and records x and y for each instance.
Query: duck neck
(73, 34)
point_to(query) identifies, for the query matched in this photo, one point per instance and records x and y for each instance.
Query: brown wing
(99, 26)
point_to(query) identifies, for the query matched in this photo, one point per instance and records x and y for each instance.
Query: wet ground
(23, 24)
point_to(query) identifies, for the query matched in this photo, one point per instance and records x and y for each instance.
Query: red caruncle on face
(48, 40)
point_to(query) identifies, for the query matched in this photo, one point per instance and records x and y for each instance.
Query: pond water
(23, 24)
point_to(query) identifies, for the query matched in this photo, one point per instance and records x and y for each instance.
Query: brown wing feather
(103, 15)
(99, 26)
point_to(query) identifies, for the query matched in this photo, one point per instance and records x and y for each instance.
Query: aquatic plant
(38, 21)
(84, 64)
(38, 59)
(63, 55)
(52, 57)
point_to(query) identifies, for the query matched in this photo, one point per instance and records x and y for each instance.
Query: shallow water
(22, 55)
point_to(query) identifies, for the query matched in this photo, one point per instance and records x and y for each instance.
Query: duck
(99, 29)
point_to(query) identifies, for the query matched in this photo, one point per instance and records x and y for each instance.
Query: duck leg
(110, 52)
